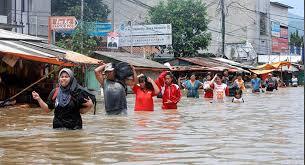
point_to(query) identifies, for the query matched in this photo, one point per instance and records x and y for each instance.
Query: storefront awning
(41, 52)
(265, 71)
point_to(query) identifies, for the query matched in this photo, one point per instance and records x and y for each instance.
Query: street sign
(62, 23)
(146, 40)
(100, 29)
(113, 40)
(137, 30)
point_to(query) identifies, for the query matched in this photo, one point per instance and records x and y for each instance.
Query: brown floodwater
(266, 129)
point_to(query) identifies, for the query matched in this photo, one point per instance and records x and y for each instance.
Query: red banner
(279, 45)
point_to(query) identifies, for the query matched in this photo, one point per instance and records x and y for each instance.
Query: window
(263, 23)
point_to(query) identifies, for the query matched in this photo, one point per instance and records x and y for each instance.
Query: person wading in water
(145, 91)
(114, 86)
(69, 101)
(171, 93)
(192, 86)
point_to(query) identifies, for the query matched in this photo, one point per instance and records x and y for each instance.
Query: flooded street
(266, 129)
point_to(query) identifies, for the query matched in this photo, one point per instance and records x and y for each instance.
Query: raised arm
(155, 86)
(160, 80)
(135, 76)
(42, 104)
(98, 74)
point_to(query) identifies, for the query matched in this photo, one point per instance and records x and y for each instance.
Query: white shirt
(219, 92)
(294, 81)
(235, 100)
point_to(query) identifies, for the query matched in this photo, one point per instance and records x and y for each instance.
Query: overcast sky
(298, 6)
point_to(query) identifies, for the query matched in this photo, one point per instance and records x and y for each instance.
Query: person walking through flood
(145, 90)
(256, 84)
(225, 77)
(208, 91)
(171, 93)
(69, 100)
(294, 81)
(239, 82)
(192, 85)
(238, 97)
(115, 90)
(220, 90)
(270, 83)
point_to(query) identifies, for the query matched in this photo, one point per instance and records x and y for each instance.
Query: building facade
(25, 16)
(279, 29)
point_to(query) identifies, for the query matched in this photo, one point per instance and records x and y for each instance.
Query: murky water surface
(266, 129)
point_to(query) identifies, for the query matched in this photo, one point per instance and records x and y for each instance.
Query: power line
(257, 12)
(269, 13)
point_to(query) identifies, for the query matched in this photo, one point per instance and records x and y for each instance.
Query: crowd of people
(70, 100)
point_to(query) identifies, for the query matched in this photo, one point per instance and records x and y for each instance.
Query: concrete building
(126, 11)
(279, 32)
(246, 24)
(279, 21)
(25, 16)
(246, 20)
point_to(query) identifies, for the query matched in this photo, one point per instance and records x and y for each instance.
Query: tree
(189, 22)
(73, 41)
(296, 40)
(94, 10)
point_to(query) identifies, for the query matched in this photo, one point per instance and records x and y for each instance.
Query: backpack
(80, 92)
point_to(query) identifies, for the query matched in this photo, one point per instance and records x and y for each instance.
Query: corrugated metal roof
(212, 64)
(5, 34)
(234, 63)
(138, 61)
(33, 48)
(205, 62)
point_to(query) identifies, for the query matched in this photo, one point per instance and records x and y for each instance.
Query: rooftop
(137, 61)
(281, 5)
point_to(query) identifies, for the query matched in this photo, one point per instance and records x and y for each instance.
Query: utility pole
(112, 15)
(223, 28)
(28, 16)
(81, 25)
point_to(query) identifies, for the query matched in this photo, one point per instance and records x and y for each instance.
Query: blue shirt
(256, 83)
(192, 89)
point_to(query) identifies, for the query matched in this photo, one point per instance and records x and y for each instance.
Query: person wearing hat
(114, 90)
(68, 100)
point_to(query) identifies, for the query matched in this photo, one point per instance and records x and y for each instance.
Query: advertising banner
(275, 29)
(100, 29)
(146, 40)
(113, 40)
(138, 30)
(62, 23)
(284, 32)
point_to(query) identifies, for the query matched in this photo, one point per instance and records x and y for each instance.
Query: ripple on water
(266, 129)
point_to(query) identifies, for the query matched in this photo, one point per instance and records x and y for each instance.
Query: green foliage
(189, 21)
(73, 41)
(296, 40)
(94, 10)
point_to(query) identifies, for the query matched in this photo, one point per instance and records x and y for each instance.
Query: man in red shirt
(171, 93)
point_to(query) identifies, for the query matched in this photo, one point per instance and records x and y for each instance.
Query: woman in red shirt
(171, 93)
(145, 91)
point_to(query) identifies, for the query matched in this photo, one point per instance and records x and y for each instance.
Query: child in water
(238, 97)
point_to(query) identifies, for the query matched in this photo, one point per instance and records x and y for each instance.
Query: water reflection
(266, 129)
